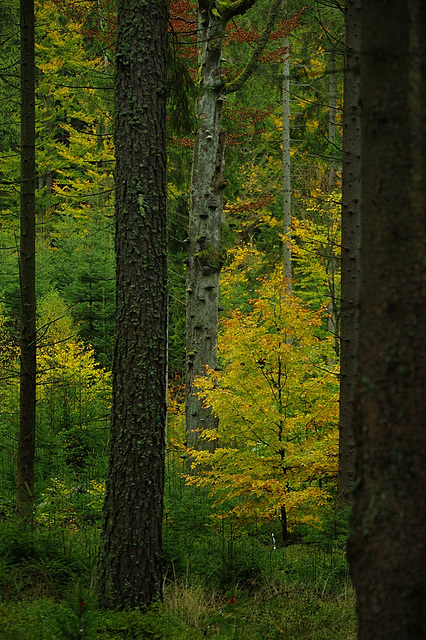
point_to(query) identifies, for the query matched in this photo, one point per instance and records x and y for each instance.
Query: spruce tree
(130, 551)
(26, 437)
(387, 548)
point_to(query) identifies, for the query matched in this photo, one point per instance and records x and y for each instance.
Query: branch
(251, 65)
(228, 9)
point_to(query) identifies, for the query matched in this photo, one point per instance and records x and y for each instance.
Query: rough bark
(26, 436)
(130, 553)
(205, 256)
(206, 210)
(351, 239)
(387, 547)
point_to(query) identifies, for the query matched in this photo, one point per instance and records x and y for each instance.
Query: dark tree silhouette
(351, 239)
(26, 436)
(387, 547)
(130, 553)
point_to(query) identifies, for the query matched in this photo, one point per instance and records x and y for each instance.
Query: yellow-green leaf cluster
(68, 374)
(316, 249)
(276, 400)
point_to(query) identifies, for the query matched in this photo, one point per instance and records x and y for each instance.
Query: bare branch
(251, 65)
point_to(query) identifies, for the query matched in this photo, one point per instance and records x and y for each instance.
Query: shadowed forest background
(256, 511)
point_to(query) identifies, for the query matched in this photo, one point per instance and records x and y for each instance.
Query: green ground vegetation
(219, 580)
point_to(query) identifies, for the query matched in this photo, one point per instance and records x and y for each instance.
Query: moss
(211, 257)
(225, 8)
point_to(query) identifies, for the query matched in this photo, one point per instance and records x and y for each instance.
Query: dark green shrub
(35, 562)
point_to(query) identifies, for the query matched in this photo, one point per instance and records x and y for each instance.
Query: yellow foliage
(97, 493)
(276, 400)
(73, 116)
(243, 261)
(67, 369)
(9, 374)
(316, 248)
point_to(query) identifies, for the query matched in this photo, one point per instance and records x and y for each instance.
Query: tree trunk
(206, 211)
(287, 265)
(332, 267)
(287, 270)
(130, 552)
(387, 547)
(351, 239)
(283, 520)
(205, 256)
(26, 436)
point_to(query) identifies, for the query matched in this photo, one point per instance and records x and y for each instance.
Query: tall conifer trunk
(387, 546)
(287, 267)
(26, 436)
(350, 254)
(351, 239)
(129, 572)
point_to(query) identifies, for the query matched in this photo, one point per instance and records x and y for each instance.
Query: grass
(219, 582)
(274, 610)
(190, 612)
(304, 594)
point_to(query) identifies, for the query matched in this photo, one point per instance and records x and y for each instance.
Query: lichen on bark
(129, 568)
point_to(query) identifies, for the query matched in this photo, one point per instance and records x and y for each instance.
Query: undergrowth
(220, 580)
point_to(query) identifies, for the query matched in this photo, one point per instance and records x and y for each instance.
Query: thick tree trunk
(351, 239)
(387, 547)
(26, 436)
(130, 553)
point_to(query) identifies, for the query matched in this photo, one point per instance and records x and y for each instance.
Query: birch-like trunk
(332, 115)
(332, 267)
(287, 267)
(205, 255)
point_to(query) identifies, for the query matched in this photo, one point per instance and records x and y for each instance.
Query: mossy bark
(129, 572)
(206, 211)
(387, 547)
(205, 255)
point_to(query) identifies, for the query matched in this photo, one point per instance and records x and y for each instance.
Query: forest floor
(230, 587)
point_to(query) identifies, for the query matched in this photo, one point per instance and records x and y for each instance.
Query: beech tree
(387, 546)
(277, 410)
(130, 551)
